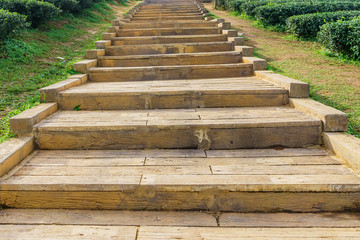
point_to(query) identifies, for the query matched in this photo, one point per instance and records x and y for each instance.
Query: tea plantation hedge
(11, 23)
(19, 14)
(308, 25)
(277, 14)
(337, 19)
(37, 12)
(342, 37)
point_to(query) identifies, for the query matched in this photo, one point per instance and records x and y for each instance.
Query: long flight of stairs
(174, 136)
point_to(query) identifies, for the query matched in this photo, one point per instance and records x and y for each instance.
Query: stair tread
(246, 117)
(168, 218)
(250, 85)
(100, 224)
(311, 169)
(173, 55)
(114, 69)
(169, 36)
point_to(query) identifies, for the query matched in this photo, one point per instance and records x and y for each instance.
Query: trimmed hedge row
(277, 14)
(65, 5)
(37, 12)
(11, 23)
(308, 25)
(342, 37)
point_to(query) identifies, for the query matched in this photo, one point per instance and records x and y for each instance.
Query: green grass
(43, 56)
(345, 98)
(210, 14)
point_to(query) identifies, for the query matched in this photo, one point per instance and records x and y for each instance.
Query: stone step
(164, 225)
(154, 8)
(119, 74)
(167, 31)
(168, 39)
(209, 93)
(163, 14)
(168, 24)
(213, 128)
(249, 180)
(165, 18)
(170, 59)
(169, 48)
(169, 10)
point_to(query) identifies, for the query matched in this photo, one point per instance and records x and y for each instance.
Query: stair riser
(210, 200)
(162, 101)
(164, 14)
(165, 32)
(165, 40)
(170, 61)
(183, 137)
(167, 25)
(194, 10)
(170, 18)
(168, 49)
(168, 8)
(169, 73)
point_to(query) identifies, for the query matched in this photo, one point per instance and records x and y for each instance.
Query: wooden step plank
(105, 218)
(147, 19)
(167, 24)
(104, 154)
(170, 59)
(170, 48)
(255, 183)
(115, 74)
(298, 220)
(214, 117)
(190, 219)
(168, 39)
(167, 31)
(118, 171)
(208, 200)
(269, 161)
(276, 152)
(51, 232)
(240, 92)
(178, 128)
(181, 170)
(279, 170)
(167, 14)
(187, 183)
(147, 233)
(72, 183)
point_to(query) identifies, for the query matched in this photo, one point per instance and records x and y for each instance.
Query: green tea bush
(37, 12)
(342, 37)
(308, 25)
(65, 5)
(277, 14)
(11, 23)
(249, 7)
(230, 4)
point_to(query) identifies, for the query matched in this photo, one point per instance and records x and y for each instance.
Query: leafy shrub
(234, 5)
(278, 13)
(342, 37)
(249, 7)
(11, 23)
(230, 4)
(308, 25)
(38, 12)
(85, 3)
(65, 5)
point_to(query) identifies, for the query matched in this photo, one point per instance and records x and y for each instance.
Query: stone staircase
(172, 114)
